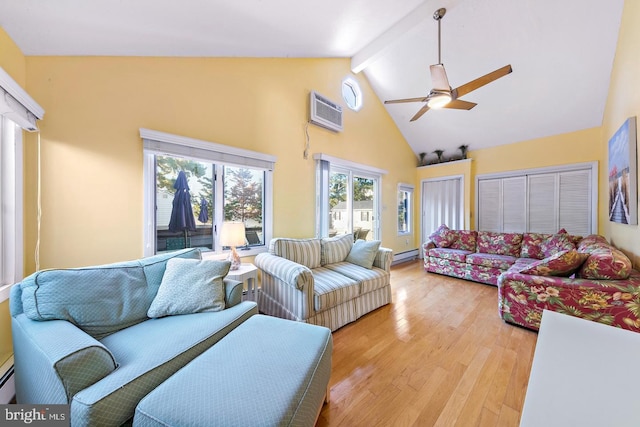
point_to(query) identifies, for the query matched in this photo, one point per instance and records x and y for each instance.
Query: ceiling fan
(441, 95)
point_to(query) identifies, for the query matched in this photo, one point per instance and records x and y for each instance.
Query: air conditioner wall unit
(324, 112)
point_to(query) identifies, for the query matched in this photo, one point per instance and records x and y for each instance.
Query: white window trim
(159, 143)
(11, 194)
(549, 169)
(409, 189)
(17, 110)
(322, 200)
(353, 84)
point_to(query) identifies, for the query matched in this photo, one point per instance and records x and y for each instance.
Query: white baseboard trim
(405, 256)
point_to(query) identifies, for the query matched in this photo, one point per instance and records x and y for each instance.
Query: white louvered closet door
(541, 202)
(441, 204)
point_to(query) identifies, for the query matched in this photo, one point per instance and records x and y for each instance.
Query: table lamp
(232, 235)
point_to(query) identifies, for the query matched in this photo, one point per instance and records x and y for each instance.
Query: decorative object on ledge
(423, 159)
(232, 235)
(439, 154)
(623, 178)
(463, 150)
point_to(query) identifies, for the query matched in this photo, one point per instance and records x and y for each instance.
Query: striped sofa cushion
(370, 279)
(301, 251)
(335, 249)
(332, 288)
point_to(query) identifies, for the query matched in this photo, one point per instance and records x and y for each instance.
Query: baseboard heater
(405, 256)
(7, 384)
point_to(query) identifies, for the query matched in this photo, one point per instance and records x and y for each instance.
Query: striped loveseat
(328, 282)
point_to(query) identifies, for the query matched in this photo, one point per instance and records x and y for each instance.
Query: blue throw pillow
(190, 286)
(363, 253)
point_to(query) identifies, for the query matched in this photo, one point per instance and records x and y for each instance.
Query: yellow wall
(13, 62)
(92, 152)
(623, 102)
(11, 59)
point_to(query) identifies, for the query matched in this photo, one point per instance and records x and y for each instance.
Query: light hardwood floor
(439, 355)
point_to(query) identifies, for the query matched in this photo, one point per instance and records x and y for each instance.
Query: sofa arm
(292, 273)
(522, 299)
(232, 292)
(383, 259)
(428, 245)
(54, 360)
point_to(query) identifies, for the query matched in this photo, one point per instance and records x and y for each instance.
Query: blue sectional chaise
(82, 336)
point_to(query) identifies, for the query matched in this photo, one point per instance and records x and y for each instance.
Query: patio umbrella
(204, 214)
(182, 213)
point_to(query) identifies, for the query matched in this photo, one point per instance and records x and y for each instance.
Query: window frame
(11, 196)
(353, 85)
(19, 112)
(406, 188)
(160, 143)
(325, 165)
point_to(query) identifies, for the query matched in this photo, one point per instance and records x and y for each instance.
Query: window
(224, 184)
(18, 111)
(352, 94)
(539, 200)
(348, 197)
(405, 207)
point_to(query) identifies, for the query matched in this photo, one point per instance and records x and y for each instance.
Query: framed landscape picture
(623, 175)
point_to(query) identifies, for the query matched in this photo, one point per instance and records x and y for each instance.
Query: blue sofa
(82, 336)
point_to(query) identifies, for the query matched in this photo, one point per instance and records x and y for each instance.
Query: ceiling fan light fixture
(438, 100)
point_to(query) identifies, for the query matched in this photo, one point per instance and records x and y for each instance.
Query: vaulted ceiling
(561, 51)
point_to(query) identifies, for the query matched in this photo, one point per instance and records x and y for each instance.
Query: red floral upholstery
(590, 243)
(499, 243)
(540, 246)
(521, 299)
(563, 263)
(606, 263)
(532, 245)
(448, 253)
(465, 240)
(555, 244)
(442, 237)
(502, 262)
(572, 238)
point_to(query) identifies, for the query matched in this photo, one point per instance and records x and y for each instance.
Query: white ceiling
(561, 51)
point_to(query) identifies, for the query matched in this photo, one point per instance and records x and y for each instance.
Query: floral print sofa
(583, 277)
(605, 289)
(482, 256)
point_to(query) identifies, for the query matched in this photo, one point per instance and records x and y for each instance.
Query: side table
(248, 274)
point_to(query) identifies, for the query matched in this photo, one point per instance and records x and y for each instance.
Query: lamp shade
(232, 234)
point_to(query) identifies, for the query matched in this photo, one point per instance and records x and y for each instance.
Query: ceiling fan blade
(397, 101)
(420, 112)
(459, 104)
(481, 81)
(439, 78)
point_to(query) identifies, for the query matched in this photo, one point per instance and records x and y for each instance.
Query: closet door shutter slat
(489, 202)
(514, 204)
(543, 203)
(575, 200)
